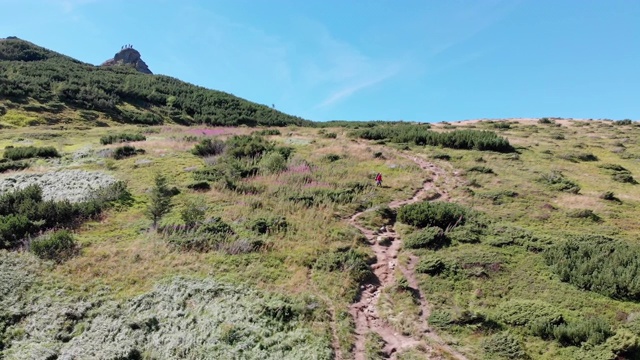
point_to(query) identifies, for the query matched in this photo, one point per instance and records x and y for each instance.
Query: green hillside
(44, 87)
(486, 240)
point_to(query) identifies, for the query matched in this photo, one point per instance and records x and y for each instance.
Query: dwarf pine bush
(558, 182)
(8, 165)
(607, 266)
(123, 137)
(28, 152)
(56, 246)
(24, 212)
(430, 238)
(421, 135)
(426, 214)
(126, 151)
(209, 147)
(504, 345)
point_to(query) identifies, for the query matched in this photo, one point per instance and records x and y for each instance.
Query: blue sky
(414, 60)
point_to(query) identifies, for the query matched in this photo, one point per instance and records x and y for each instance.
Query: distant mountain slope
(36, 81)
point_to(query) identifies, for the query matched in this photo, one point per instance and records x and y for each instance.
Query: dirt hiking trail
(364, 310)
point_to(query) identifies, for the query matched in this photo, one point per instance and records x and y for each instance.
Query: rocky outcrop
(128, 56)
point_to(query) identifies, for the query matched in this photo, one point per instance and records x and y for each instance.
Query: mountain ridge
(45, 87)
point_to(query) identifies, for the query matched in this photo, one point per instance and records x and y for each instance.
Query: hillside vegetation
(515, 239)
(46, 87)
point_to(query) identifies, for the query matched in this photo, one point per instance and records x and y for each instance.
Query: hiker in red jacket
(378, 179)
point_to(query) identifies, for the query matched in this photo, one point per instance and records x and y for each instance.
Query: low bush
(583, 214)
(599, 264)
(430, 238)
(199, 186)
(545, 120)
(24, 213)
(425, 214)
(247, 146)
(212, 234)
(504, 345)
(481, 169)
(272, 163)
(558, 182)
(421, 135)
(28, 152)
(497, 197)
(123, 137)
(577, 157)
(126, 151)
(57, 246)
(431, 265)
(268, 225)
(209, 147)
(609, 195)
(387, 214)
(8, 165)
(623, 122)
(194, 212)
(441, 156)
(526, 312)
(331, 157)
(346, 260)
(267, 132)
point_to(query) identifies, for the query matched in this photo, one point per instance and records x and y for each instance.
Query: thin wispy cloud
(339, 69)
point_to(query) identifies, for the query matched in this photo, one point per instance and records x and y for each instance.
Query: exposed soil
(364, 310)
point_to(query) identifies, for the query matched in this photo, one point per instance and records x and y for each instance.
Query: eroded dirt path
(364, 311)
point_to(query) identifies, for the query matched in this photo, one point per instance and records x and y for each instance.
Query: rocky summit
(128, 56)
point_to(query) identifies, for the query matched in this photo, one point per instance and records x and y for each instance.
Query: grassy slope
(522, 274)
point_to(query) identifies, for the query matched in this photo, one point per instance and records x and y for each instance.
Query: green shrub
(624, 178)
(268, 225)
(623, 122)
(194, 212)
(432, 265)
(608, 195)
(594, 331)
(123, 137)
(199, 186)
(421, 135)
(440, 318)
(558, 182)
(387, 214)
(267, 132)
(440, 214)
(430, 238)
(545, 120)
(583, 214)
(247, 146)
(526, 312)
(272, 163)
(23, 212)
(441, 156)
(7, 165)
(209, 147)
(346, 260)
(503, 125)
(332, 157)
(481, 169)
(596, 263)
(28, 152)
(497, 197)
(125, 151)
(57, 246)
(504, 345)
(212, 234)
(576, 157)
(330, 135)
